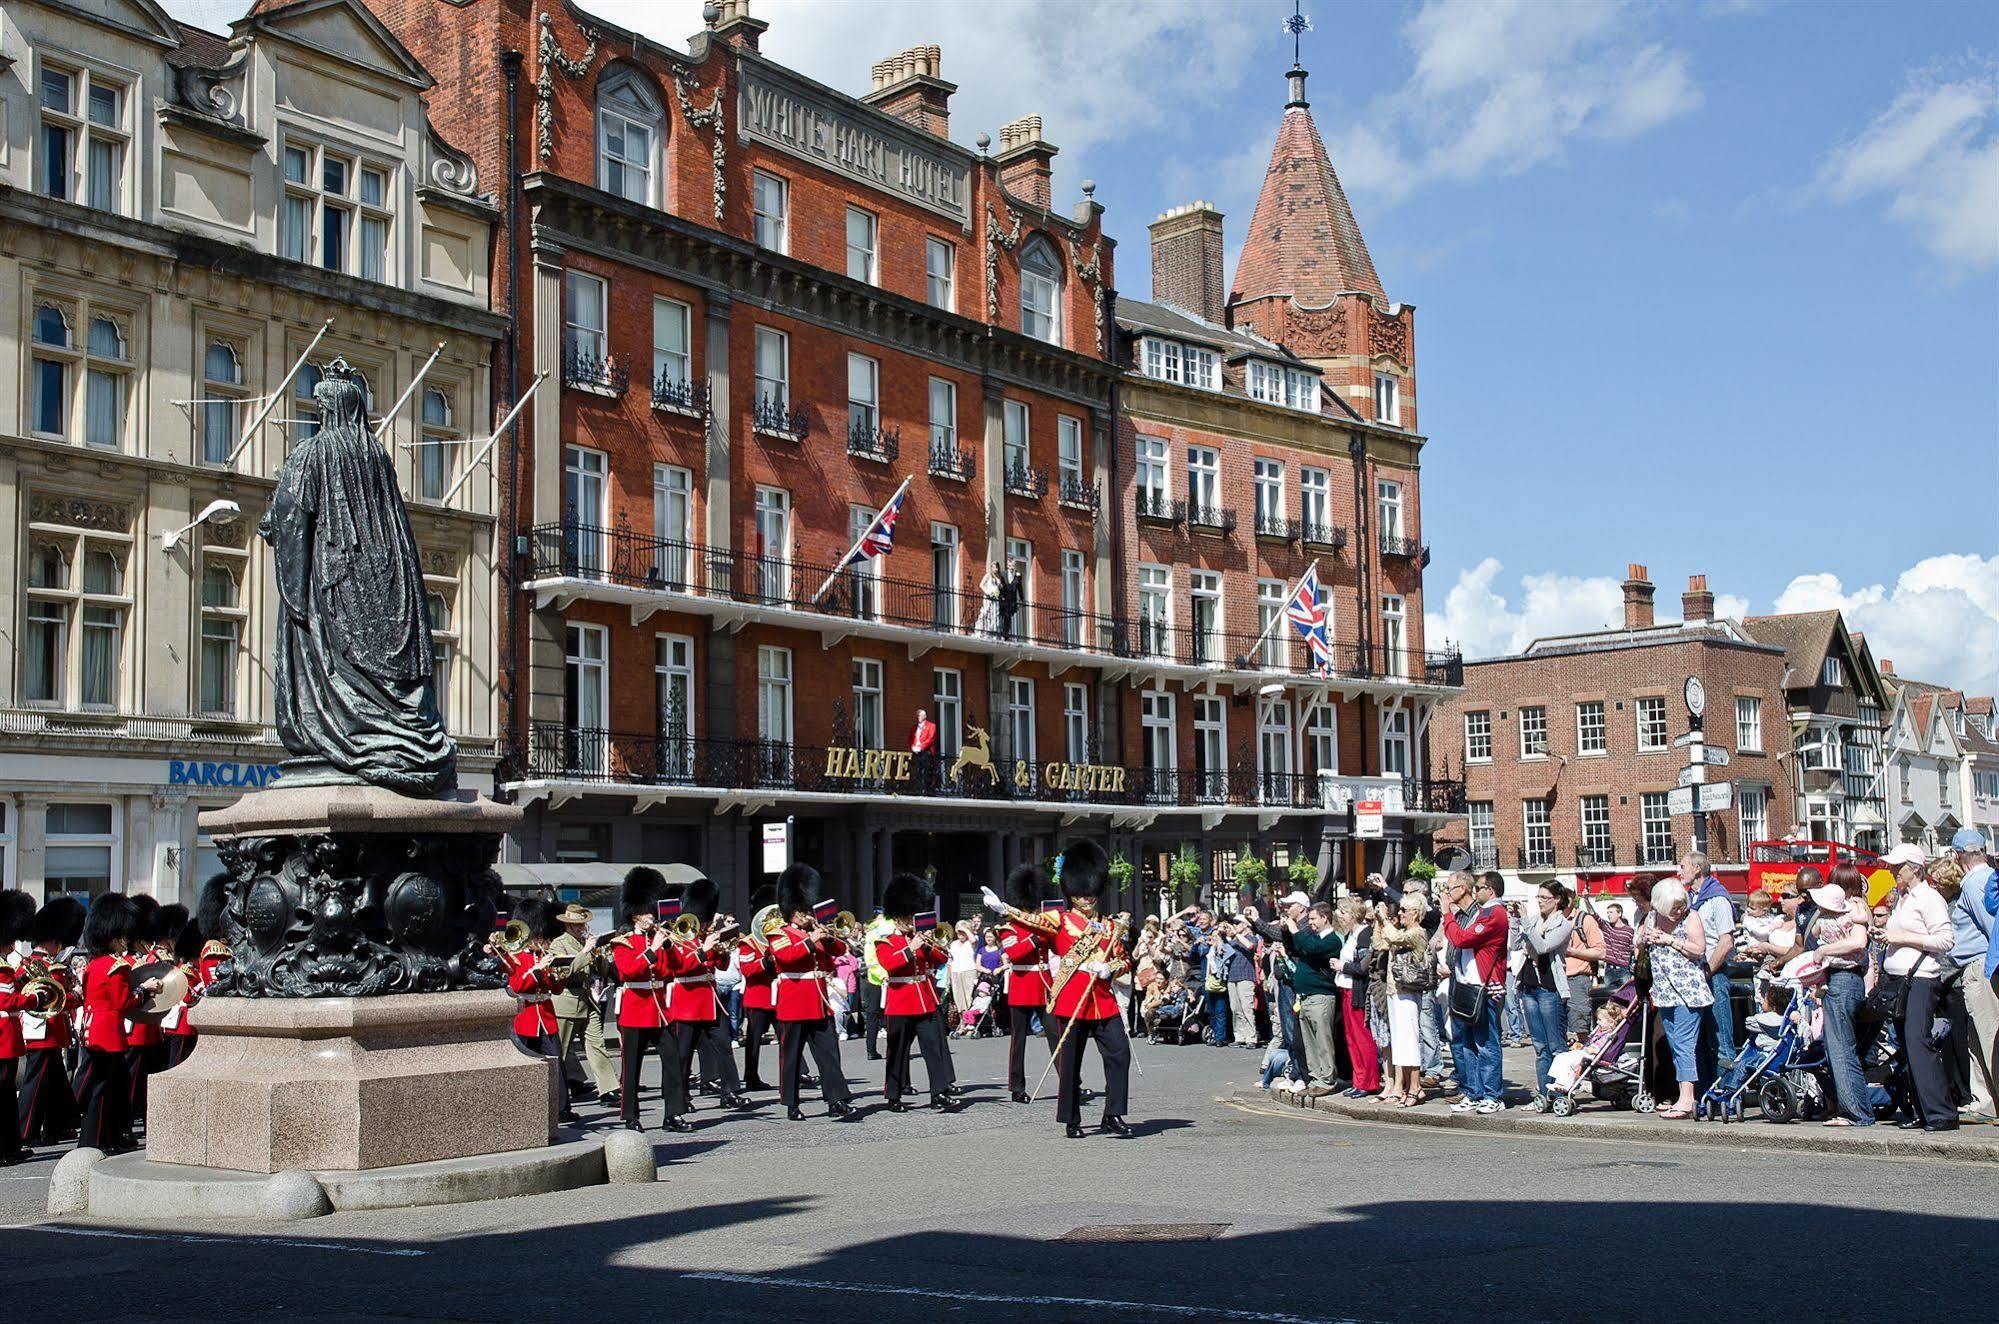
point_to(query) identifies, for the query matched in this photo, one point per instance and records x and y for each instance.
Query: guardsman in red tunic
(17, 913)
(1023, 940)
(533, 983)
(911, 959)
(145, 1041)
(1081, 1001)
(803, 952)
(759, 972)
(175, 1025)
(693, 1012)
(641, 996)
(48, 1100)
(109, 997)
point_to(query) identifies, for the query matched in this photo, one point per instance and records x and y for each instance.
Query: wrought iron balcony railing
(1602, 856)
(954, 462)
(1276, 526)
(1324, 535)
(1026, 481)
(1079, 494)
(585, 369)
(1537, 857)
(674, 396)
(1158, 508)
(1215, 519)
(871, 441)
(773, 416)
(1406, 549)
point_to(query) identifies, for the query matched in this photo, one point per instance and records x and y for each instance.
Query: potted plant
(1183, 873)
(1423, 867)
(1252, 878)
(1304, 875)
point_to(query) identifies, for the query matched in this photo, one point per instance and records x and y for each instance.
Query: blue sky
(1712, 286)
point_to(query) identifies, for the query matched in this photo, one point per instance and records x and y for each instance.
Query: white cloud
(1500, 86)
(1481, 620)
(1934, 152)
(1095, 73)
(1940, 621)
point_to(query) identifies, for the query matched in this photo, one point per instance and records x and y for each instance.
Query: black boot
(1074, 1131)
(680, 1124)
(897, 1106)
(1022, 1096)
(736, 1101)
(844, 1112)
(945, 1103)
(1115, 1126)
(794, 1114)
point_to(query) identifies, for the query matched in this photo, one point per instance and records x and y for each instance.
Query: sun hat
(1906, 853)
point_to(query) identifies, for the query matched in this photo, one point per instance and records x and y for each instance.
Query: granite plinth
(285, 810)
(348, 1084)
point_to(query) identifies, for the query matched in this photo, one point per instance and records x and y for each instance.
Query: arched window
(51, 327)
(628, 134)
(1040, 291)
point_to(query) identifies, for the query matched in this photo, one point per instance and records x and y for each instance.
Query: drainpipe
(513, 745)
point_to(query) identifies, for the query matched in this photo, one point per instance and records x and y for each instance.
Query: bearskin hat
(643, 888)
(763, 896)
(187, 938)
(168, 924)
(538, 913)
(214, 904)
(798, 888)
(146, 916)
(907, 894)
(1026, 886)
(17, 916)
(111, 916)
(1085, 869)
(59, 921)
(701, 899)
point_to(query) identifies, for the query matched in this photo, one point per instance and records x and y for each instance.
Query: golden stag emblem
(976, 752)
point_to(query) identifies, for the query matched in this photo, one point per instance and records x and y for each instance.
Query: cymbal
(173, 989)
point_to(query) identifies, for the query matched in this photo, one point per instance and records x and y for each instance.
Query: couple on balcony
(1000, 594)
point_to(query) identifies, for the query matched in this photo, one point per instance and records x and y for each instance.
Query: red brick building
(757, 308)
(1567, 748)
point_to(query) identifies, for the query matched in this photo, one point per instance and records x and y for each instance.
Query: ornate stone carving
(1390, 336)
(1326, 328)
(1091, 274)
(80, 513)
(217, 93)
(358, 915)
(709, 119)
(550, 57)
(447, 167)
(996, 239)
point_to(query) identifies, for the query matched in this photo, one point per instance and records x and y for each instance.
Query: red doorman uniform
(909, 995)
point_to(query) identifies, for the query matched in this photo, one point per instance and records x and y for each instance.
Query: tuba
(686, 928)
(512, 938)
(767, 924)
(51, 995)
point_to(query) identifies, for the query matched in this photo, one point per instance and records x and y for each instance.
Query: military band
(96, 999)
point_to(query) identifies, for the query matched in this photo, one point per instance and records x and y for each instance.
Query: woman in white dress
(988, 621)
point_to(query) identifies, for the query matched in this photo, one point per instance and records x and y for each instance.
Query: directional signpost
(1691, 780)
(1716, 757)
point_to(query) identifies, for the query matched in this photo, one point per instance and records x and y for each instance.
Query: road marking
(1008, 1299)
(193, 1239)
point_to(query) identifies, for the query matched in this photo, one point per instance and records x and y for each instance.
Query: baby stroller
(1615, 1072)
(1783, 1067)
(979, 1019)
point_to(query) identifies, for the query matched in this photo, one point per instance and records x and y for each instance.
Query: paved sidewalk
(1600, 1121)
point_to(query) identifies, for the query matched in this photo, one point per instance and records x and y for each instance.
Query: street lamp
(222, 511)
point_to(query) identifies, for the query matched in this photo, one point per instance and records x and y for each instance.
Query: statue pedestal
(348, 1084)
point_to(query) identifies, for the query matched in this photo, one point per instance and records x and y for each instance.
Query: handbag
(1412, 972)
(1889, 999)
(1467, 999)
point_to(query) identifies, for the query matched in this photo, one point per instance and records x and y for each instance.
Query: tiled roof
(1804, 636)
(199, 49)
(1303, 240)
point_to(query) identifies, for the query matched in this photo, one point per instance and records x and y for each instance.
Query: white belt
(1040, 966)
(693, 981)
(527, 1001)
(651, 984)
(908, 979)
(801, 974)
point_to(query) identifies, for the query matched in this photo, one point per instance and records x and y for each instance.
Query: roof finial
(1297, 25)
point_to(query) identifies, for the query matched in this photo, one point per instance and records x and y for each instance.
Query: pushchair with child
(1613, 1070)
(1783, 1067)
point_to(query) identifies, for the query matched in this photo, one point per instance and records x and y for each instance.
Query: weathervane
(1297, 25)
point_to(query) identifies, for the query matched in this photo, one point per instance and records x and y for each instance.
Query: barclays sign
(223, 776)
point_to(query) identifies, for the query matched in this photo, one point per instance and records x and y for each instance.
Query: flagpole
(841, 564)
(1288, 595)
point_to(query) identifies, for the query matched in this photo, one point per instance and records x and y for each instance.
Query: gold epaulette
(214, 947)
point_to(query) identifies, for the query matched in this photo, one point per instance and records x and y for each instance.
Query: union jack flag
(1308, 614)
(879, 540)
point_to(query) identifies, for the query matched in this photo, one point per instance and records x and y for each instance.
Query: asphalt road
(1216, 1212)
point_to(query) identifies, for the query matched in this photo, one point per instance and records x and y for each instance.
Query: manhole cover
(1146, 1232)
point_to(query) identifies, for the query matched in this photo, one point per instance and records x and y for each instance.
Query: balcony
(621, 564)
(1537, 857)
(868, 440)
(1484, 857)
(1433, 795)
(1079, 494)
(1651, 853)
(1278, 528)
(773, 416)
(1600, 856)
(1210, 519)
(953, 462)
(1323, 535)
(1026, 481)
(1396, 547)
(605, 375)
(670, 396)
(1157, 508)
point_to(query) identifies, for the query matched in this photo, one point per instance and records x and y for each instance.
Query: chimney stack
(731, 22)
(1637, 598)
(910, 86)
(1887, 667)
(1697, 604)
(1027, 162)
(1187, 259)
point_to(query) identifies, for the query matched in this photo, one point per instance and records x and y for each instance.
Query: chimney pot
(1027, 162)
(1887, 667)
(1697, 604)
(1637, 598)
(909, 87)
(1187, 259)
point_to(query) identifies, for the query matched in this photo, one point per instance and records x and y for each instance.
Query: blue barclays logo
(238, 776)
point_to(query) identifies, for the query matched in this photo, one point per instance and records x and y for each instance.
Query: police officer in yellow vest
(872, 1022)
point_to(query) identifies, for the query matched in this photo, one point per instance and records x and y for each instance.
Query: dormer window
(628, 117)
(1831, 675)
(1273, 383)
(1175, 361)
(335, 212)
(1040, 291)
